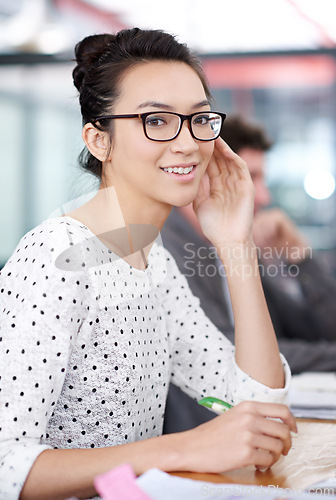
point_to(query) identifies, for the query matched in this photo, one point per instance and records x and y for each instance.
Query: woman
(96, 316)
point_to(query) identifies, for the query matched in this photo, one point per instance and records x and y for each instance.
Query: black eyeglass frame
(143, 117)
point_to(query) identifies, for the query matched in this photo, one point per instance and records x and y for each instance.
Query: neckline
(120, 259)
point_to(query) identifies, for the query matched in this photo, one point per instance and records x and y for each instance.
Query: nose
(184, 142)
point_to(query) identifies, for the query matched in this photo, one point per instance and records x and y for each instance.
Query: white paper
(313, 395)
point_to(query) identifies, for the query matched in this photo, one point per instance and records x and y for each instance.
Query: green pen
(215, 404)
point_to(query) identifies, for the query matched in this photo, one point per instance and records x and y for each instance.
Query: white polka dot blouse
(89, 344)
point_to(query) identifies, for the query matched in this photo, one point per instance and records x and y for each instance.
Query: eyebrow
(160, 105)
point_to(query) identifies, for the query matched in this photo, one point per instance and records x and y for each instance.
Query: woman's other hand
(245, 435)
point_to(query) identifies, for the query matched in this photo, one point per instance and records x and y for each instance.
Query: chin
(180, 197)
(183, 202)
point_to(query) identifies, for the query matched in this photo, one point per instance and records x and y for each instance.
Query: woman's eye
(201, 120)
(155, 121)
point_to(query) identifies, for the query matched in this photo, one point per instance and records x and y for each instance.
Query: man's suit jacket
(305, 325)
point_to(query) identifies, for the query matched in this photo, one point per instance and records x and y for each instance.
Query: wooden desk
(311, 458)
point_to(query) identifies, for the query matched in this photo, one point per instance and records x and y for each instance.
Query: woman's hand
(245, 435)
(224, 205)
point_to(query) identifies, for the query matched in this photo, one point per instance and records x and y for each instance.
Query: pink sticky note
(119, 484)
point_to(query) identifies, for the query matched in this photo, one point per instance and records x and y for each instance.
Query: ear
(97, 141)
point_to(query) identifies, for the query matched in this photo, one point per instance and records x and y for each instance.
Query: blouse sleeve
(202, 358)
(41, 311)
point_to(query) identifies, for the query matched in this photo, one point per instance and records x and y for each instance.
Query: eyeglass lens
(165, 126)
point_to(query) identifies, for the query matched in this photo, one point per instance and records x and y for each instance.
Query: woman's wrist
(239, 258)
(164, 452)
(230, 247)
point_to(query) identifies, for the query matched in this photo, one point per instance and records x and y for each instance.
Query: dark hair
(239, 134)
(102, 61)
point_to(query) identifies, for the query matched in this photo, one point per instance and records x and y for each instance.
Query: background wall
(289, 86)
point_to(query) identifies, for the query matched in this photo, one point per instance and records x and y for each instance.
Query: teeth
(179, 170)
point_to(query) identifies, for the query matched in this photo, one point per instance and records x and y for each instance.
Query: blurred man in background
(299, 290)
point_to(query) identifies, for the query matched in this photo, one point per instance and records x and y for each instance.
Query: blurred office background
(272, 61)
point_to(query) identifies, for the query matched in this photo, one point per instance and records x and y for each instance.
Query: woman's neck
(126, 229)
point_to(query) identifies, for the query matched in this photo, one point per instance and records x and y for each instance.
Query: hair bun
(87, 52)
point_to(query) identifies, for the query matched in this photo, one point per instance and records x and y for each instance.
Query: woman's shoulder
(48, 240)
(65, 232)
(62, 225)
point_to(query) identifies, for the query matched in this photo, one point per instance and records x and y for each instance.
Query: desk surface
(311, 459)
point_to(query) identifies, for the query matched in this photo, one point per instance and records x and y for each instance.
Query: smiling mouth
(179, 170)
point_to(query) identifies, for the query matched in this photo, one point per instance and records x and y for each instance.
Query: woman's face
(137, 164)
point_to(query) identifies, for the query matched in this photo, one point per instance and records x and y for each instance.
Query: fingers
(220, 159)
(259, 450)
(225, 157)
(213, 168)
(278, 431)
(264, 460)
(226, 169)
(263, 433)
(270, 446)
(279, 411)
(223, 148)
(248, 431)
(203, 191)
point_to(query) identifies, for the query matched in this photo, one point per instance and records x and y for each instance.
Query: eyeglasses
(165, 126)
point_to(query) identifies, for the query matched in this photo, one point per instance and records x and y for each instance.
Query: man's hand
(274, 233)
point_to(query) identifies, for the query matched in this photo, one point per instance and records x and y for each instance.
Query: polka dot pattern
(87, 353)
